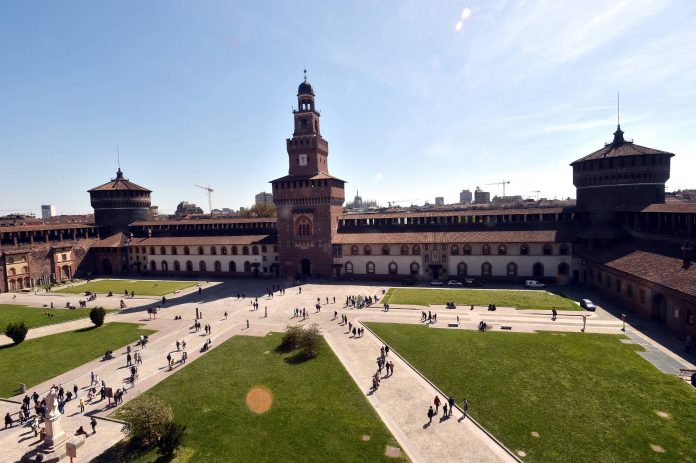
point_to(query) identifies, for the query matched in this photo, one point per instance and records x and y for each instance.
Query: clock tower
(308, 199)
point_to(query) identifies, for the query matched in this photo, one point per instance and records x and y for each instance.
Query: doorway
(305, 267)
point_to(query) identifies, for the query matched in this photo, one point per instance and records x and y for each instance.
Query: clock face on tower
(302, 160)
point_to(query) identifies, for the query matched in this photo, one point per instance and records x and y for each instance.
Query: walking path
(401, 400)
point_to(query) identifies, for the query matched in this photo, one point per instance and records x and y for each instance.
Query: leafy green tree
(97, 315)
(147, 419)
(16, 331)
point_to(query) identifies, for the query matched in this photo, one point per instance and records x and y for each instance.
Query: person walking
(445, 411)
(451, 405)
(93, 423)
(431, 413)
(178, 345)
(436, 402)
(75, 389)
(247, 323)
(553, 314)
(82, 406)
(465, 407)
(129, 360)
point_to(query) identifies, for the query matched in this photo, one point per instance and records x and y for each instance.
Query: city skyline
(416, 103)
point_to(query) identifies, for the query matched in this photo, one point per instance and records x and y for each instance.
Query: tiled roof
(44, 226)
(319, 176)
(657, 263)
(120, 183)
(114, 241)
(671, 207)
(456, 213)
(619, 148)
(204, 240)
(184, 222)
(484, 236)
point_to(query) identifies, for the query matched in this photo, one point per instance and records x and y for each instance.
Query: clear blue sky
(413, 105)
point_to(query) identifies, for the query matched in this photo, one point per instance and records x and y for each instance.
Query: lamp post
(623, 319)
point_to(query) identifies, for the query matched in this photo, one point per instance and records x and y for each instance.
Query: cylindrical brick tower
(119, 203)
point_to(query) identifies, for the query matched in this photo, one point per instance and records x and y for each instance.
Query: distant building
(358, 203)
(465, 197)
(505, 200)
(47, 211)
(439, 200)
(481, 197)
(264, 199)
(185, 208)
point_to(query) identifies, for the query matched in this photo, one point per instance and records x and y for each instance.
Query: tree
(291, 338)
(16, 331)
(97, 315)
(147, 418)
(310, 341)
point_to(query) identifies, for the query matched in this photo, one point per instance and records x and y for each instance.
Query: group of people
(428, 316)
(382, 364)
(353, 331)
(359, 302)
(447, 408)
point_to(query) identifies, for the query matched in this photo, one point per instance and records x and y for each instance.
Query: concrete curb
(478, 425)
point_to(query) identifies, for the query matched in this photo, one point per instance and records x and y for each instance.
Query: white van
(534, 284)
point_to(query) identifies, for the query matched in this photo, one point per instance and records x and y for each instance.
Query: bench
(505, 327)
(686, 373)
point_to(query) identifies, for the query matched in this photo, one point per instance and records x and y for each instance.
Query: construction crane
(537, 193)
(392, 203)
(210, 200)
(504, 182)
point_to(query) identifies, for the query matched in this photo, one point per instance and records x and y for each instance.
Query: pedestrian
(465, 407)
(247, 324)
(553, 314)
(8, 420)
(431, 413)
(93, 423)
(75, 389)
(183, 344)
(129, 360)
(386, 351)
(437, 404)
(169, 359)
(82, 406)
(444, 411)
(226, 311)
(451, 405)
(178, 346)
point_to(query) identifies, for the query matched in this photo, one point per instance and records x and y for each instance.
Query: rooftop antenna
(118, 157)
(618, 109)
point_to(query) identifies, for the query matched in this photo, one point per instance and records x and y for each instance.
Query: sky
(418, 99)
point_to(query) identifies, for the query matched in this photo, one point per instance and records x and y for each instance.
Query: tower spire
(119, 174)
(618, 110)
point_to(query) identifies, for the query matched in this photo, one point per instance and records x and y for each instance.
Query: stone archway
(305, 267)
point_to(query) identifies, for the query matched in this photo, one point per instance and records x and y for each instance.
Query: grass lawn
(34, 316)
(140, 287)
(37, 360)
(318, 414)
(505, 298)
(590, 397)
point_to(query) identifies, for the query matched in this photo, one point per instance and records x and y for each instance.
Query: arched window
(189, 266)
(404, 250)
(393, 268)
(367, 250)
(486, 269)
(213, 251)
(524, 249)
(416, 250)
(467, 250)
(13, 272)
(454, 250)
(201, 251)
(461, 269)
(426, 258)
(512, 269)
(245, 250)
(165, 266)
(163, 250)
(354, 250)
(255, 250)
(563, 249)
(548, 250)
(153, 265)
(385, 250)
(247, 266)
(232, 266)
(234, 250)
(370, 268)
(217, 266)
(201, 266)
(563, 269)
(275, 248)
(223, 250)
(349, 268)
(538, 269)
(177, 266)
(486, 250)
(502, 249)
(152, 249)
(186, 250)
(303, 227)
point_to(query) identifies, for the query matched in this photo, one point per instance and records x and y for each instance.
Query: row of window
(13, 272)
(502, 249)
(201, 250)
(462, 269)
(202, 266)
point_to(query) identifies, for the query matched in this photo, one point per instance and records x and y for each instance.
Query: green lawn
(37, 360)
(140, 287)
(590, 397)
(521, 299)
(318, 414)
(35, 317)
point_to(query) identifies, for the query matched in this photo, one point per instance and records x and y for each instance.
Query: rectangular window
(629, 291)
(618, 286)
(641, 294)
(690, 317)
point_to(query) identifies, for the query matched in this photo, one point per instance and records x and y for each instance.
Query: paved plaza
(401, 400)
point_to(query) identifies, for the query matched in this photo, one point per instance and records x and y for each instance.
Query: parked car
(454, 283)
(436, 283)
(588, 305)
(409, 282)
(471, 282)
(534, 284)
